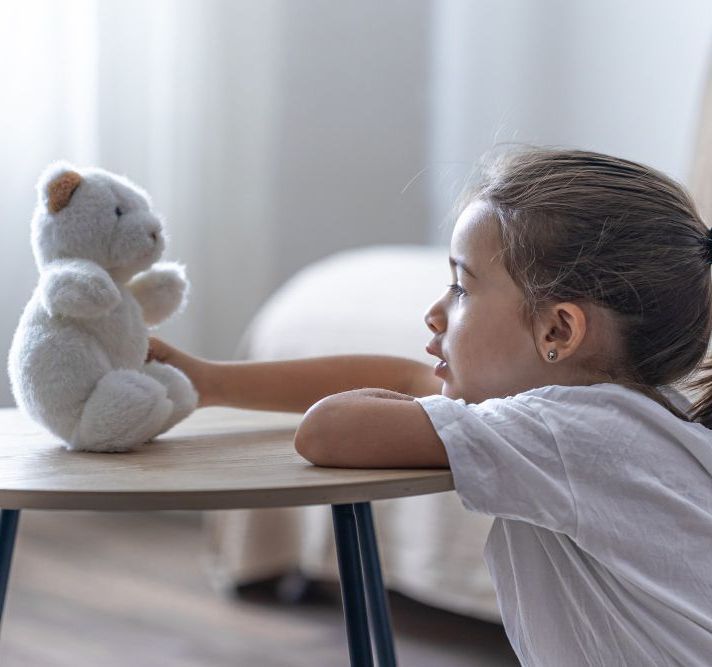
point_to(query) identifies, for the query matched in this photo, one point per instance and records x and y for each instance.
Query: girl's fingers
(155, 350)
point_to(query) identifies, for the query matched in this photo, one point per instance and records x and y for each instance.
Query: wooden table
(218, 458)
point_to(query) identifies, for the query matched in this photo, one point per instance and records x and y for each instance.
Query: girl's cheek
(454, 333)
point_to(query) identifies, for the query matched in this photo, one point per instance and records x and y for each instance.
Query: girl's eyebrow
(461, 264)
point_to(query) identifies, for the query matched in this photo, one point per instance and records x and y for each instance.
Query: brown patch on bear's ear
(61, 189)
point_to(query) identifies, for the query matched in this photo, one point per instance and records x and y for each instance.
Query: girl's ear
(563, 328)
(57, 184)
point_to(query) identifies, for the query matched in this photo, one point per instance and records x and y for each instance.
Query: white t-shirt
(601, 552)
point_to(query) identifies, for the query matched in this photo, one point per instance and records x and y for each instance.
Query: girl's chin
(449, 390)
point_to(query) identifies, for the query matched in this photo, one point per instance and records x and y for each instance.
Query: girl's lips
(441, 368)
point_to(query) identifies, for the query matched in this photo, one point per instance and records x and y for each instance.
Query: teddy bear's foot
(178, 388)
(126, 408)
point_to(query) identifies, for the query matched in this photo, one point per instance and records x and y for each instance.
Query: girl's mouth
(441, 368)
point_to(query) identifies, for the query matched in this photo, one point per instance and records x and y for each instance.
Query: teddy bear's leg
(126, 409)
(179, 390)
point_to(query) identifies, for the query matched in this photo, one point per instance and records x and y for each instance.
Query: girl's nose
(433, 320)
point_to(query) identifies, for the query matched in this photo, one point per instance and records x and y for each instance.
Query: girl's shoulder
(604, 391)
(615, 404)
(593, 396)
(598, 388)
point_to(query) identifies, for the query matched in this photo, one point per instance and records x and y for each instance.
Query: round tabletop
(217, 458)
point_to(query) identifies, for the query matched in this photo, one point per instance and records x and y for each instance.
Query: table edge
(214, 499)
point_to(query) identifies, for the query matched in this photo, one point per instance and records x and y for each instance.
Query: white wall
(620, 77)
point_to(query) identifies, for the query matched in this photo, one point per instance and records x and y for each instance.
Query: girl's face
(478, 332)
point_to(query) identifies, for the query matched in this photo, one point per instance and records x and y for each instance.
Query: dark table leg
(357, 552)
(378, 609)
(8, 529)
(352, 591)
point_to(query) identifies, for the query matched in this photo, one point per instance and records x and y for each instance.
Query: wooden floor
(130, 589)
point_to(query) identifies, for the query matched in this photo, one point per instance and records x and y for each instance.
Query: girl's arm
(369, 428)
(359, 409)
(294, 385)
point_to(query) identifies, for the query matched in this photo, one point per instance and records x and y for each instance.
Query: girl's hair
(587, 227)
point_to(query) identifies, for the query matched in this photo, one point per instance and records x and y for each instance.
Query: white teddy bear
(77, 360)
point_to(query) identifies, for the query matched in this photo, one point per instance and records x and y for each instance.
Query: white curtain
(155, 91)
(47, 109)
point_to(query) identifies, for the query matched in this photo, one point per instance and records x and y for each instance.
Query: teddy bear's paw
(126, 409)
(162, 291)
(179, 390)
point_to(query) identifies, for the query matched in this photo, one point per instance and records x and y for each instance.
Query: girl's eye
(456, 289)
(118, 212)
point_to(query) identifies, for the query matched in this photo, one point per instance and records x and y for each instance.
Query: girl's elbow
(316, 448)
(311, 439)
(316, 438)
(305, 446)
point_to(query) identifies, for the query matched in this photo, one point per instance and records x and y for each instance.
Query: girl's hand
(195, 368)
(161, 351)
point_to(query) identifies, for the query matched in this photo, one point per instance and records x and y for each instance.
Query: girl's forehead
(472, 235)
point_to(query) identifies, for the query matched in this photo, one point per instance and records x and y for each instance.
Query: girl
(580, 291)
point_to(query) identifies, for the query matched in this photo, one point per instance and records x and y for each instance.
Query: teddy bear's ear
(57, 185)
(61, 189)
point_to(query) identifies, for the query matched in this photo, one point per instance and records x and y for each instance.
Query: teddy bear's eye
(118, 212)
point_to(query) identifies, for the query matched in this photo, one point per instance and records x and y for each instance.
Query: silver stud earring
(552, 354)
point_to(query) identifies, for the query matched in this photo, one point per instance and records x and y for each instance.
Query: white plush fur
(77, 360)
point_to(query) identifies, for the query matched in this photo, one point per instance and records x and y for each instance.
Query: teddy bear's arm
(161, 291)
(77, 288)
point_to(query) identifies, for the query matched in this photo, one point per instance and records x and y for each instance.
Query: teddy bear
(78, 359)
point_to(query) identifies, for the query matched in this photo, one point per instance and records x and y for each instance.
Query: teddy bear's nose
(154, 236)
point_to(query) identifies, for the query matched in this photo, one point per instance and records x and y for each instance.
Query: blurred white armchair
(368, 300)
